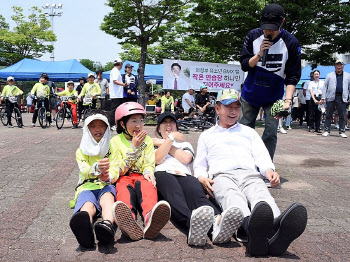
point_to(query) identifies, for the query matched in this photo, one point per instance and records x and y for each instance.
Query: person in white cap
(10, 90)
(116, 88)
(188, 101)
(336, 93)
(230, 163)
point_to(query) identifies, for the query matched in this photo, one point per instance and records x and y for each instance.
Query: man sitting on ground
(231, 160)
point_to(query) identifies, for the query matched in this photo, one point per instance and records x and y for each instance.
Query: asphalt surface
(39, 173)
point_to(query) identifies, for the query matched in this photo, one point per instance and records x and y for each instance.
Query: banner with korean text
(180, 75)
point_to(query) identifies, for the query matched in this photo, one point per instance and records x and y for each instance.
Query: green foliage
(322, 27)
(108, 66)
(89, 64)
(28, 39)
(141, 23)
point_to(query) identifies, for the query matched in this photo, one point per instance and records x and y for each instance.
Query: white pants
(242, 188)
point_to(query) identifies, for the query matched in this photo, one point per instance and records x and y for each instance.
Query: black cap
(44, 75)
(271, 17)
(166, 114)
(128, 65)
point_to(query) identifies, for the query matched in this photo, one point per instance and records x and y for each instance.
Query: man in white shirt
(116, 88)
(188, 101)
(231, 160)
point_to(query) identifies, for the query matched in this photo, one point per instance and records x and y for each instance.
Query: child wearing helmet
(133, 160)
(95, 193)
(90, 90)
(72, 101)
(10, 90)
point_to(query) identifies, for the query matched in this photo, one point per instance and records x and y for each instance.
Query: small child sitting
(133, 159)
(94, 194)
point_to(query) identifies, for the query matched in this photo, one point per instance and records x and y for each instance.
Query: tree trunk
(141, 70)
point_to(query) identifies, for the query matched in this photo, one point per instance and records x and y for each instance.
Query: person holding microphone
(271, 56)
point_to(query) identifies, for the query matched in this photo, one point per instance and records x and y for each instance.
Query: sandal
(105, 231)
(82, 229)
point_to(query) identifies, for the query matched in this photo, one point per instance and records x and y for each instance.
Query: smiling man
(230, 164)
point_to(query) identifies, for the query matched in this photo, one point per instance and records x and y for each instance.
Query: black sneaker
(260, 226)
(290, 225)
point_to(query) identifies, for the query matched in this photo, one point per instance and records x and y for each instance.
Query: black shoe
(82, 229)
(260, 226)
(318, 131)
(105, 231)
(291, 224)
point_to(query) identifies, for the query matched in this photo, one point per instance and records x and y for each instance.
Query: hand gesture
(103, 165)
(138, 138)
(179, 137)
(157, 141)
(150, 178)
(273, 177)
(104, 176)
(265, 45)
(206, 184)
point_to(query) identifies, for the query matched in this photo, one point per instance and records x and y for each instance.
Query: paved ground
(39, 173)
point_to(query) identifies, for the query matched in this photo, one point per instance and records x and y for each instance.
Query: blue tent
(30, 69)
(151, 71)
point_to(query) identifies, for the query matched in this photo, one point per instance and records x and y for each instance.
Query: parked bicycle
(16, 112)
(89, 103)
(198, 123)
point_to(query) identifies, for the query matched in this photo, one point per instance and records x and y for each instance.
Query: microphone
(266, 52)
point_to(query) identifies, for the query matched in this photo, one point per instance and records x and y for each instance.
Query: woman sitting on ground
(190, 208)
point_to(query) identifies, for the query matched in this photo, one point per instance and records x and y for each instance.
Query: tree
(141, 23)
(222, 25)
(320, 26)
(89, 64)
(28, 39)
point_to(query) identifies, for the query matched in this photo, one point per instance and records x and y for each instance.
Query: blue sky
(77, 30)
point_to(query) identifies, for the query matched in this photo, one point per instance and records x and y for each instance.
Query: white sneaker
(202, 219)
(33, 125)
(325, 133)
(289, 128)
(282, 131)
(231, 219)
(336, 126)
(346, 128)
(343, 135)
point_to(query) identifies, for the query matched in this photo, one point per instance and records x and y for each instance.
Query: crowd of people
(134, 173)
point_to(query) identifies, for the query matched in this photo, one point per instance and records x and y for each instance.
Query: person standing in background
(116, 88)
(130, 90)
(307, 96)
(103, 83)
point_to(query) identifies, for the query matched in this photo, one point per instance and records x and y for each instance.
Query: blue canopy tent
(31, 70)
(151, 71)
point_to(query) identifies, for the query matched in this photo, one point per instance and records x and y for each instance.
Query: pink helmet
(127, 109)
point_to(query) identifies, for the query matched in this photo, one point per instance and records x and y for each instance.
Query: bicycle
(88, 101)
(199, 123)
(65, 112)
(16, 113)
(43, 114)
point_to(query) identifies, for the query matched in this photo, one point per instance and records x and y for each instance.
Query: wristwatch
(171, 138)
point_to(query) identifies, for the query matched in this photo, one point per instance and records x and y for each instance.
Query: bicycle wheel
(70, 113)
(3, 116)
(183, 128)
(60, 118)
(42, 117)
(18, 116)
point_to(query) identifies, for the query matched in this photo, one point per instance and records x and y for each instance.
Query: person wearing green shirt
(10, 90)
(41, 90)
(90, 90)
(72, 101)
(167, 103)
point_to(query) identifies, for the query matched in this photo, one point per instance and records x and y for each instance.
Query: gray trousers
(248, 118)
(241, 189)
(339, 104)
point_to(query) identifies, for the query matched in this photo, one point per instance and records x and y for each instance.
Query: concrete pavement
(39, 173)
